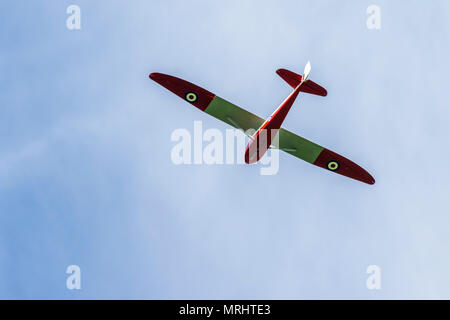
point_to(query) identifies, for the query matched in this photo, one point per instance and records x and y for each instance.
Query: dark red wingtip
(332, 161)
(370, 179)
(155, 75)
(189, 92)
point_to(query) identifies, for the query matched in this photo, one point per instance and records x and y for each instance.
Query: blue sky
(86, 176)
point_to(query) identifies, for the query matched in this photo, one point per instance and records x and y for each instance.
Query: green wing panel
(297, 146)
(233, 115)
(242, 119)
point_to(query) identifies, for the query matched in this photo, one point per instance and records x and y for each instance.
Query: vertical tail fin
(306, 71)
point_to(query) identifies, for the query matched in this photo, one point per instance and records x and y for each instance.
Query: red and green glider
(262, 139)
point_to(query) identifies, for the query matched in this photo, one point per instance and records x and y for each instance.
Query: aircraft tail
(294, 79)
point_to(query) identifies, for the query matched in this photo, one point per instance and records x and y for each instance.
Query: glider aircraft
(263, 138)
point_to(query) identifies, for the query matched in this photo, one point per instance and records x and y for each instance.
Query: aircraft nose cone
(249, 159)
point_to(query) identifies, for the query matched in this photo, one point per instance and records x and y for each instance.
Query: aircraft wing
(233, 115)
(243, 119)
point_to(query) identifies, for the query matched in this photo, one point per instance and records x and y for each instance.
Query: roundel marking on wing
(191, 97)
(333, 165)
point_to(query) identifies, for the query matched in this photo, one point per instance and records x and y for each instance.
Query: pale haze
(86, 176)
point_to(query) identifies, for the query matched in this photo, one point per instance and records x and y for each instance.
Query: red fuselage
(262, 139)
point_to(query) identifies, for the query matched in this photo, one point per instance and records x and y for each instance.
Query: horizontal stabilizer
(294, 79)
(313, 88)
